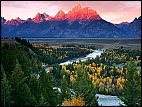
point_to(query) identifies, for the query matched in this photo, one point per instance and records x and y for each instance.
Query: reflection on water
(91, 55)
(108, 100)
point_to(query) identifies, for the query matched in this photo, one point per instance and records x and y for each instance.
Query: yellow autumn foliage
(97, 81)
(101, 79)
(77, 66)
(119, 70)
(64, 67)
(123, 80)
(120, 87)
(113, 86)
(74, 102)
(93, 64)
(94, 78)
(104, 80)
(50, 69)
(118, 84)
(110, 80)
(72, 79)
(101, 84)
(93, 70)
(101, 64)
(67, 71)
(98, 70)
(119, 79)
(90, 76)
(107, 79)
(95, 74)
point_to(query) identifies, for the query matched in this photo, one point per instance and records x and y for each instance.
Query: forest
(25, 82)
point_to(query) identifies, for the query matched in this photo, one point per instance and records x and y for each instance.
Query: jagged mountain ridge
(132, 28)
(79, 22)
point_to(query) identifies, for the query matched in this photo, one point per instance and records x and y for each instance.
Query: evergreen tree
(8, 57)
(132, 86)
(42, 101)
(25, 96)
(5, 89)
(65, 91)
(84, 88)
(46, 81)
(34, 85)
(17, 79)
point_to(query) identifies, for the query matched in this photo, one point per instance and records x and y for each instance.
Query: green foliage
(8, 58)
(132, 87)
(65, 91)
(42, 101)
(97, 60)
(5, 89)
(83, 87)
(24, 42)
(25, 95)
(56, 71)
(24, 81)
(34, 85)
(17, 80)
(46, 81)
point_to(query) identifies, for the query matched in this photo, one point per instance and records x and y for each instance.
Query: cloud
(14, 4)
(26, 9)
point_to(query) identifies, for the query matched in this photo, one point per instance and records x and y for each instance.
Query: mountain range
(77, 23)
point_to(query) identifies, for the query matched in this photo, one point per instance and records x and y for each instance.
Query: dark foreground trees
(84, 88)
(5, 89)
(132, 87)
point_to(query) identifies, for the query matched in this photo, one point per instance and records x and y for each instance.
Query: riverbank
(90, 55)
(103, 100)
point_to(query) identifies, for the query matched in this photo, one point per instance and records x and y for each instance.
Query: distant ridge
(77, 23)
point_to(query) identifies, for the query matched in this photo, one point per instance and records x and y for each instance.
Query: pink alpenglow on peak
(77, 13)
(77, 8)
(19, 20)
(16, 21)
(60, 15)
(82, 14)
(41, 17)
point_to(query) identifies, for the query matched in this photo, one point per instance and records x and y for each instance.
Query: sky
(111, 11)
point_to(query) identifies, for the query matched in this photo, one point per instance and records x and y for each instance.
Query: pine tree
(17, 79)
(65, 91)
(132, 86)
(25, 96)
(84, 88)
(5, 89)
(46, 81)
(34, 85)
(42, 101)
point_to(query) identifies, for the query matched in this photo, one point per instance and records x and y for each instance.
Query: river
(103, 100)
(91, 55)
